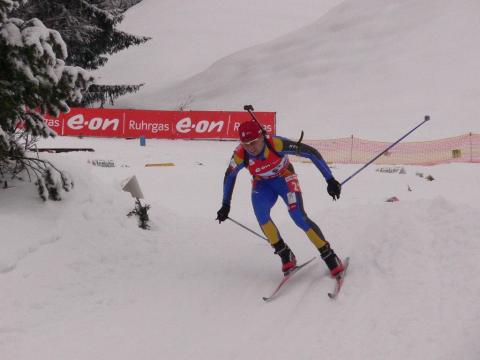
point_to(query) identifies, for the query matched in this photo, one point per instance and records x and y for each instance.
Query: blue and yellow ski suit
(274, 176)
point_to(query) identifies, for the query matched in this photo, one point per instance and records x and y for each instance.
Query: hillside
(372, 69)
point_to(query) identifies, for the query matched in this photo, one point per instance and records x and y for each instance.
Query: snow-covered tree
(123, 5)
(34, 80)
(89, 28)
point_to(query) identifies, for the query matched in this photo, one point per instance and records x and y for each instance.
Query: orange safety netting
(464, 148)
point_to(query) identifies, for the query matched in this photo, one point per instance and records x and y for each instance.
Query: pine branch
(101, 94)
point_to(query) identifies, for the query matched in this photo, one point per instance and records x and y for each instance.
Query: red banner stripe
(156, 123)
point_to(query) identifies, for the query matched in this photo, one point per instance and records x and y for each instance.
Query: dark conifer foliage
(123, 5)
(89, 28)
(34, 80)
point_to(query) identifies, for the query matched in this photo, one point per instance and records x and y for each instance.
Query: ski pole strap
(248, 229)
(427, 118)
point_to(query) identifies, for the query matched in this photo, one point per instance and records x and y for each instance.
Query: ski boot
(333, 262)
(289, 262)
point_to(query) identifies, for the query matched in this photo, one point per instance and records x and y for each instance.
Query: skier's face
(254, 147)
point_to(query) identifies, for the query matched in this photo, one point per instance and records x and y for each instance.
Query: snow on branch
(113, 17)
(34, 81)
(34, 56)
(7, 6)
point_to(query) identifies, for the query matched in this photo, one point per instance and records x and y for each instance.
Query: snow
(7, 6)
(11, 34)
(80, 280)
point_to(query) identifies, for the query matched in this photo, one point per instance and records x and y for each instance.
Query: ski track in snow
(193, 288)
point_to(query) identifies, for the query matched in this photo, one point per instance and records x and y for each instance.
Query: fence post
(471, 148)
(351, 151)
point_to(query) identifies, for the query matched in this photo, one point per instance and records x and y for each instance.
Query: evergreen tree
(123, 5)
(88, 27)
(34, 80)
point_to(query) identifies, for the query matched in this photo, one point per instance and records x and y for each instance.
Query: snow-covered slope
(80, 281)
(189, 35)
(371, 68)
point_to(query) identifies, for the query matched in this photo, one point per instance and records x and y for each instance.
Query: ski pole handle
(250, 109)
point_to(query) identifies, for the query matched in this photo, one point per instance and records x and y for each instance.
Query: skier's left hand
(334, 189)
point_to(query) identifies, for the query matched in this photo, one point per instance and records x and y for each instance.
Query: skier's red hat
(249, 131)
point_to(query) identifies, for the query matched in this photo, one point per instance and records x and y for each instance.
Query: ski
(286, 278)
(339, 280)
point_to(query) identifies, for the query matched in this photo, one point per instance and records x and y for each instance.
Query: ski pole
(427, 118)
(248, 229)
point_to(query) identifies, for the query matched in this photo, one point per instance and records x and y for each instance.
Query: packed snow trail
(93, 284)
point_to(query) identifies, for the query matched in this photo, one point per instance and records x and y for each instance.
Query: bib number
(293, 188)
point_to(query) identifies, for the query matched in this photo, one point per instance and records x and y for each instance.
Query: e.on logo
(186, 125)
(78, 122)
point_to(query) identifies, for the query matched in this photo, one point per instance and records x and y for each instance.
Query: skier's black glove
(222, 214)
(334, 188)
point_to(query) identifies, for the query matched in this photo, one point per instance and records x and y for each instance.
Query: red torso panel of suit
(267, 166)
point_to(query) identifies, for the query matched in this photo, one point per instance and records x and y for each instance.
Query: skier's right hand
(222, 214)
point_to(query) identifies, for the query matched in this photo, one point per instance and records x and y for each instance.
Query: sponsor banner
(148, 123)
(92, 122)
(155, 124)
(54, 124)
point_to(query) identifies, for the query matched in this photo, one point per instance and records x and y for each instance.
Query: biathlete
(273, 176)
